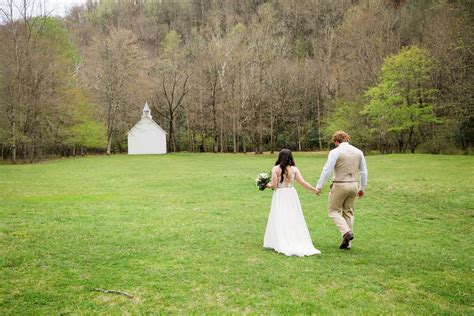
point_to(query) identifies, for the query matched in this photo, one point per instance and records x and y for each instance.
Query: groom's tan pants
(342, 198)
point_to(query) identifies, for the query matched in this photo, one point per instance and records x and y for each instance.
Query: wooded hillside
(238, 76)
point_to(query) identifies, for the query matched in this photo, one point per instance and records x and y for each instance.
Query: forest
(237, 76)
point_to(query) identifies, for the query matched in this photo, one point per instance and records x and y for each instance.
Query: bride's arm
(273, 184)
(304, 184)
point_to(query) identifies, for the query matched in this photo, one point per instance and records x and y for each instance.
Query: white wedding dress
(286, 231)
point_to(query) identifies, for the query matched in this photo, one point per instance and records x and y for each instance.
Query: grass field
(183, 233)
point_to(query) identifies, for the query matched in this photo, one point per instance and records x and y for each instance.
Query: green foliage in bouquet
(262, 180)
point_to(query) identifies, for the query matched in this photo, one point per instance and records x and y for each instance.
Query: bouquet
(262, 180)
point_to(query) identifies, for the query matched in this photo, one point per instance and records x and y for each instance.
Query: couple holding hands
(286, 230)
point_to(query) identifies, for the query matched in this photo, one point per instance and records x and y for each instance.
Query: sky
(61, 7)
(52, 7)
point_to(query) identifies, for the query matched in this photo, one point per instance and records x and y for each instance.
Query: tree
(267, 42)
(448, 36)
(368, 34)
(347, 116)
(84, 130)
(36, 74)
(226, 56)
(114, 64)
(402, 103)
(237, 89)
(173, 83)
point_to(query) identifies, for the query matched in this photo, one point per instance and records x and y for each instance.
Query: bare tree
(173, 90)
(31, 82)
(172, 82)
(267, 42)
(114, 62)
(367, 35)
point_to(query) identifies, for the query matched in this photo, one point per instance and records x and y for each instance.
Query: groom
(347, 162)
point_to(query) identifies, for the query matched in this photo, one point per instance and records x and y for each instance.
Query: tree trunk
(202, 148)
(214, 119)
(14, 141)
(401, 145)
(214, 115)
(271, 130)
(190, 135)
(14, 153)
(171, 144)
(298, 135)
(258, 138)
(234, 133)
(110, 126)
(222, 133)
(109, 143)
(23, 152)
(411, 143)
(32, 153)
(318, 105)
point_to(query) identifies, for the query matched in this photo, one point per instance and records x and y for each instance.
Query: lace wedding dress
(286, 230)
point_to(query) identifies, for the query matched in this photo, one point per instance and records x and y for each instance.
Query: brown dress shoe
(345, 240)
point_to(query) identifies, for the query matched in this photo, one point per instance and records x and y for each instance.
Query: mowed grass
(183, 233)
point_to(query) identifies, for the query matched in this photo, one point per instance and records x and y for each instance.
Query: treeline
(238, 76)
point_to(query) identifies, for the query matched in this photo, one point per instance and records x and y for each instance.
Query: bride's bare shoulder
(295, 171)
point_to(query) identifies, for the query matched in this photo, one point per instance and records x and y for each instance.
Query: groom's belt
(345, 181)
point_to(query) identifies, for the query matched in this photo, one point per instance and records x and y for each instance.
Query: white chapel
(146, 137)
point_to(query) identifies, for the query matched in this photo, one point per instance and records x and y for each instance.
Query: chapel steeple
(146, 110)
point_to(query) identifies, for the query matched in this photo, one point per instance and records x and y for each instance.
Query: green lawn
(183, 233)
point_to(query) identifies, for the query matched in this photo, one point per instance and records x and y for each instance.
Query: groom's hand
(318, 191)
(360, 194)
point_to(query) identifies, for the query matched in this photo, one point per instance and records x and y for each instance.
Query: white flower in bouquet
(262, 180)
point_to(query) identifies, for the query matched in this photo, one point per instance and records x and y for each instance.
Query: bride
(286, 231)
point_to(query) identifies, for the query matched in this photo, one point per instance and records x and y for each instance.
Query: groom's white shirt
(332, 159)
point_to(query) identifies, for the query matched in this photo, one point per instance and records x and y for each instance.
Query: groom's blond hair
(340, 136)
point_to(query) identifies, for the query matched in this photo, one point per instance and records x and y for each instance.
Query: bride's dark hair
(285, 159)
